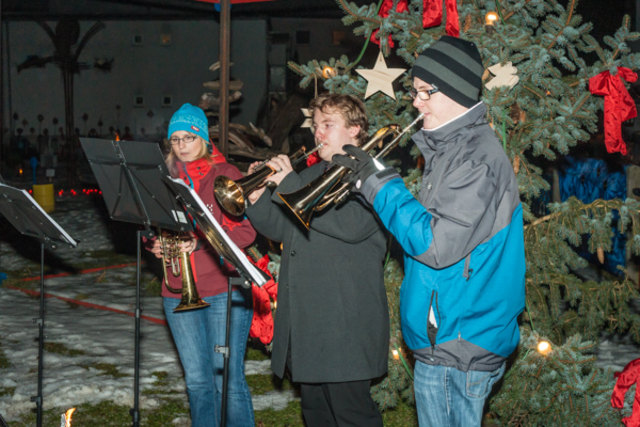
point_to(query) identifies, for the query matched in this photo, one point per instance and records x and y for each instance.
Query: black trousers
(339, 405)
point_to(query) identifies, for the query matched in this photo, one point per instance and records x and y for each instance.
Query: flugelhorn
(180, 264)
(231, 195)
(329, 187)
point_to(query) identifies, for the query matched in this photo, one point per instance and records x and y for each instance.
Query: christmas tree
(540, 56)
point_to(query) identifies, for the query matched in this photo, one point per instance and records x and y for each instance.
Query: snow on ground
(103, 335)
(100, 337)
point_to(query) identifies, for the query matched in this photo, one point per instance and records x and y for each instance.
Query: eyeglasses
(423, 95)
(174, 140)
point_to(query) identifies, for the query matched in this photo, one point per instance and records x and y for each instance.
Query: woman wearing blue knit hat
(197, 332)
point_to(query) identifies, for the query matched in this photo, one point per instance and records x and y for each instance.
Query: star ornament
(380, 78)
(505, 76)
(308, 119)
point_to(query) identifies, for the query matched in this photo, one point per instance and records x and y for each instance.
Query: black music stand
(129, 173)
(228, 250)
(31, 220)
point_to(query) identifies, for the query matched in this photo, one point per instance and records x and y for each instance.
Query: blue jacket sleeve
(458, 217)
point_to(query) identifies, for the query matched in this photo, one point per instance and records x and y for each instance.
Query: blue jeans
(447, 397)
(196, 333)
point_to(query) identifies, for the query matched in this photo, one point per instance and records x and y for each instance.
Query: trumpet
(231, 195)
(329, 187)
(180, 265)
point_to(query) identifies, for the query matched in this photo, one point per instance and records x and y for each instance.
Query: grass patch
(291, 416)
(4, 362)
(59, 348)
(152, 286)
(161, 386)
(261, 384)
(256, 350)
(7, 391)
(403, 415)
(166, 413)
(161, 378)
(105, 414)
(107, 369)
(110, 414)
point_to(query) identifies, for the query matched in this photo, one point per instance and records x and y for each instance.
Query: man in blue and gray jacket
(462, 236)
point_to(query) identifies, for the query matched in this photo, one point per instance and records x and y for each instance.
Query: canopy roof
(164, 9)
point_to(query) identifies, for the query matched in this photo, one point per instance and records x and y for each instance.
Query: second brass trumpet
(231, 195)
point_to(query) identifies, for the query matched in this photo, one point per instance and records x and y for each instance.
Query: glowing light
(490, 18)
(544, 348)
(20, 171)
(395, 354)
(65, 420)
(328, 72)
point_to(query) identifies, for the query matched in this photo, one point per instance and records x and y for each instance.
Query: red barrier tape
(88, 270)
(85, 303)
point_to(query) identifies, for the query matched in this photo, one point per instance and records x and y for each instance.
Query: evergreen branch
(295, 68)
(596, 204)
(343, 4)
(513, 12)
(570, 8)
(625, 24)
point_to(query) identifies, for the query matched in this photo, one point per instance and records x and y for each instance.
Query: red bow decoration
(431, 16)
(262, 322)
(618, 105)
(625, 379)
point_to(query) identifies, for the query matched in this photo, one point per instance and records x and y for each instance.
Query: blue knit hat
(191, 119)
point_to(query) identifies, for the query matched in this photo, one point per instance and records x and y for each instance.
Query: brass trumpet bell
(231, 195)
(180, 265)
(190, 299)
(313, 196)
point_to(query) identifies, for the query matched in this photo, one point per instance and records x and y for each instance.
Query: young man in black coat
(332, 320)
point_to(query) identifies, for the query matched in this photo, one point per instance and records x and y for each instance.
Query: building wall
(145, 75)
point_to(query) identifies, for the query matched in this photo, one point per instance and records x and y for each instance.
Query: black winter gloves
(364, 167)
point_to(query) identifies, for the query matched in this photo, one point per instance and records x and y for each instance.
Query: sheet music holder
(214, 233)
(26, 215)
(129, 174)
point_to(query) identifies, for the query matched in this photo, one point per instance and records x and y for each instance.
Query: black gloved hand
(359, 162)
(368, 175)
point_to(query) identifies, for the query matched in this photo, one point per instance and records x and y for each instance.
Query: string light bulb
(544, 347)
(490, 18)
(328, 72)
(395, 354)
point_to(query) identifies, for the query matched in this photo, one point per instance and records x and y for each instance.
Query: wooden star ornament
(308, 119)
(505, 75)
(380, 78)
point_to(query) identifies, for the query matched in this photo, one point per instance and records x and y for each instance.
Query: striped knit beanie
(454, 66)
(191, 119)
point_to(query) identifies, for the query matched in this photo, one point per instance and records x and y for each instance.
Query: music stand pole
(40, 322)
(135, 412)
(226, 350)
(30, 219)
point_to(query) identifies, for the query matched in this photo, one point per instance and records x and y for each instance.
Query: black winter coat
(332, 310)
